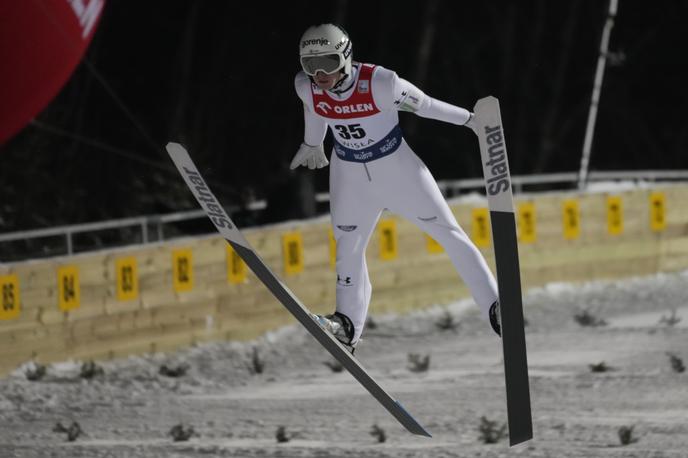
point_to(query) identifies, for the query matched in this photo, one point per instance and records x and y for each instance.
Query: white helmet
(325, 48)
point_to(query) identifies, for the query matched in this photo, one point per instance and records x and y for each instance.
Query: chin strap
(347, 80)
(337, 87)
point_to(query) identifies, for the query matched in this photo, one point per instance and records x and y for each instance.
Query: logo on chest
(323, 107)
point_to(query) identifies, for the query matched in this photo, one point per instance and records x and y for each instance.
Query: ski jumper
(372, 168)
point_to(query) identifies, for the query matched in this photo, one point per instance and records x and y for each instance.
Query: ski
(235, 238)
(490, 132)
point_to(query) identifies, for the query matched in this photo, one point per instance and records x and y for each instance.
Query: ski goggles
(326, 63)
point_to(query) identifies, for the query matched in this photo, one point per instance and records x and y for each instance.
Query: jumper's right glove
(312, 157)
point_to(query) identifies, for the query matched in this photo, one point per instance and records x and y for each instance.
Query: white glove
(312, 157)
(471, 124)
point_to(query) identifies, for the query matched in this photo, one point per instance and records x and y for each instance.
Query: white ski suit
(373, 168)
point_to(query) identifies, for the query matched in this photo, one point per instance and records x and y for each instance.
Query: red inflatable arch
(41, 42)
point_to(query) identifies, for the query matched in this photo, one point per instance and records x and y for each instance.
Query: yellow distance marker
(570, 212)
(127, 279)
(433, 245)
(387, 231)
(615, 224)
(657, 211)
(10, 299)
(333, 249)
(527, 222)
(236, 267)
(68, 288)
(292, 252)
(182, 270)
(480, 227)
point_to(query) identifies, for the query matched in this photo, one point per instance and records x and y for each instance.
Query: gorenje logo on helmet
(315, 41)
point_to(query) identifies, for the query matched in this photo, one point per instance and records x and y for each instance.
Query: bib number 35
(349, 131)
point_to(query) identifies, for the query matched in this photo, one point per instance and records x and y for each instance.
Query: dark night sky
(219, 77)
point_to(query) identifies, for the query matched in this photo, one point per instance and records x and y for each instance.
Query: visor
(326, 63)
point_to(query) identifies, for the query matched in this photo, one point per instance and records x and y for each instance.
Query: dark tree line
(218, 76)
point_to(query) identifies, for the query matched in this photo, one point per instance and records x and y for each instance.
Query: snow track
(129, 411)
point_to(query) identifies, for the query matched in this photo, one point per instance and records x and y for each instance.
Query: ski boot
(340, 326)
(495, 317)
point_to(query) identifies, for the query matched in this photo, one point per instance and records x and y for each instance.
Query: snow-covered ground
(130, 409)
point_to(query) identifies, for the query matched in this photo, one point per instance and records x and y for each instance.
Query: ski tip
(485, 101)
(172, 146)
(410, 423)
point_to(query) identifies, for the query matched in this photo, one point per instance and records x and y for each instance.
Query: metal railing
(154, 224)
(150, 229)
(68, 231)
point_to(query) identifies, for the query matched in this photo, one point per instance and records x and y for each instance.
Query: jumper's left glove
(312, 157)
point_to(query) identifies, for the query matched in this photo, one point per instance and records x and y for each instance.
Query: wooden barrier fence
(161, 297)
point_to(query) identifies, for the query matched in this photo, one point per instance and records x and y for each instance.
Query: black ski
(234, 237)
(490, 132)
